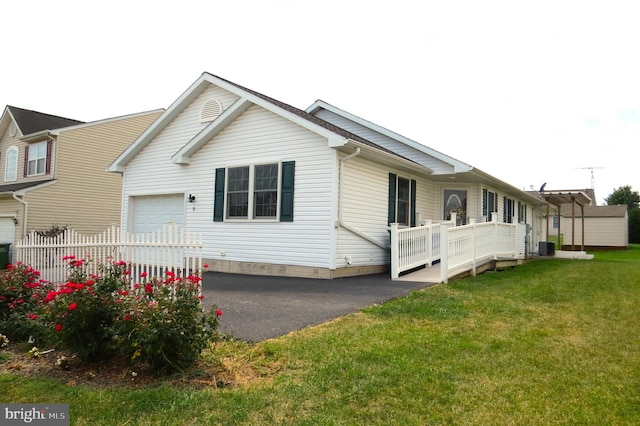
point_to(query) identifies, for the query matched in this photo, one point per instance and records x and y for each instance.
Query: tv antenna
(593, 178)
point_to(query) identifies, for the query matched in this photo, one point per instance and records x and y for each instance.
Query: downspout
(24, 215)
(339, 223)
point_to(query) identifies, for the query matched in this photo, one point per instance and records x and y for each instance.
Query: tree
(624, 195)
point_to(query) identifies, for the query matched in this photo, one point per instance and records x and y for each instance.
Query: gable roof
(336, 135)
(458, 166)
(29, 121)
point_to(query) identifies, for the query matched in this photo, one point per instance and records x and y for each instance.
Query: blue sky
(530, 92)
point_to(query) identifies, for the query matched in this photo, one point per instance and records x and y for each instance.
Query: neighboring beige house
(53, 171)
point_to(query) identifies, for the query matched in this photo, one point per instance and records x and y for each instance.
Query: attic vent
(13, 129)
(211, 109)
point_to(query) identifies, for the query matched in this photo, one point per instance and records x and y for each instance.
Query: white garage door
(7, 235)
(150, 212)
(7, 230)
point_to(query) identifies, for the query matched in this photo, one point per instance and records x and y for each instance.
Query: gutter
(24, 215)
(339, 223)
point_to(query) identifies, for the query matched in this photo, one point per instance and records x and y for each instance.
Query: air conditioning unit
(546, 248)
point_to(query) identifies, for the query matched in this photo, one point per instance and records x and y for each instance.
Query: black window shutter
(392, 198)
(485, 201)
(26, 160)
(413, 202)
(48, 159)
(505, 207)
(286, 191)
(218, 197)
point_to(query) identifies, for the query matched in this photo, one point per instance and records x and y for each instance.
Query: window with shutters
(254, 192)
(402, 200)
(36, 159)
(489, 204)
(509, 210)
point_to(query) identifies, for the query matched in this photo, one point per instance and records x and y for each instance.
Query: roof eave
(120, 163)
(458, 166)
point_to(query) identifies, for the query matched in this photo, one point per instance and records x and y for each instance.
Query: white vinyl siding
(255, 137)
(365, 208)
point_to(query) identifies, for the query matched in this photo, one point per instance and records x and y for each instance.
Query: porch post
(395, 252)
(444, 253)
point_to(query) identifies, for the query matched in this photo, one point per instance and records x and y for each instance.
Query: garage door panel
(152, 212)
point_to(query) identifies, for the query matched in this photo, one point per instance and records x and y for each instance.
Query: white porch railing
(458, 249)
(167, 249)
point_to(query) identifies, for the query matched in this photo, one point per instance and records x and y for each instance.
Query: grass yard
(552, 342)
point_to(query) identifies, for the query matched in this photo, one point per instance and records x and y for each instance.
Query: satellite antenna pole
(593, 178)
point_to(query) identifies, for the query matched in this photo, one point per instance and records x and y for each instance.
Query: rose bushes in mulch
(157, 321)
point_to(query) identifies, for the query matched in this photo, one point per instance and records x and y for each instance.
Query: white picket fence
(457, 248)
(168, 249)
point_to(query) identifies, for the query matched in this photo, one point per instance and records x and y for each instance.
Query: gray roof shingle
(33, 121)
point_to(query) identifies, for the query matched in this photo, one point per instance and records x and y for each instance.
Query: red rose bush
(157, 321)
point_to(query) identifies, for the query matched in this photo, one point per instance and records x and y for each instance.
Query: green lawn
(550, 342)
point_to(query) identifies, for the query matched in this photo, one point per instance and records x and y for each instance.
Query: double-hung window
(508, 211)
(489, 203)
(402, 200)
(255, 192)
(36, 159)
(253, 189)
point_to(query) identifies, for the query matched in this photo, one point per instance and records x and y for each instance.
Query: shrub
(21, 295)
(83, 312)
(160, 322)
(164, 323)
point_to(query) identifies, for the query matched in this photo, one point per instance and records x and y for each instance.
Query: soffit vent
(211, 109)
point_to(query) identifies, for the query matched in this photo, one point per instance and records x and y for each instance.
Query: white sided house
(281, 191)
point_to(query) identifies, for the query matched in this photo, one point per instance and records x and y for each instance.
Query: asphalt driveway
(258, 308)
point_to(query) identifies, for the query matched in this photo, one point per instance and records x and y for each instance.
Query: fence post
(474, 250)
(395, 252)
(444, 253)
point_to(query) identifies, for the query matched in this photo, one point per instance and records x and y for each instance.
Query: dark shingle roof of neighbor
(12, 187)
(33, 121)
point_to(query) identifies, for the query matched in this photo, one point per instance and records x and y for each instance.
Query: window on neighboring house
(402, 200)
(252, 192)
(37, 158)
(11, 164)
(489, 203)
